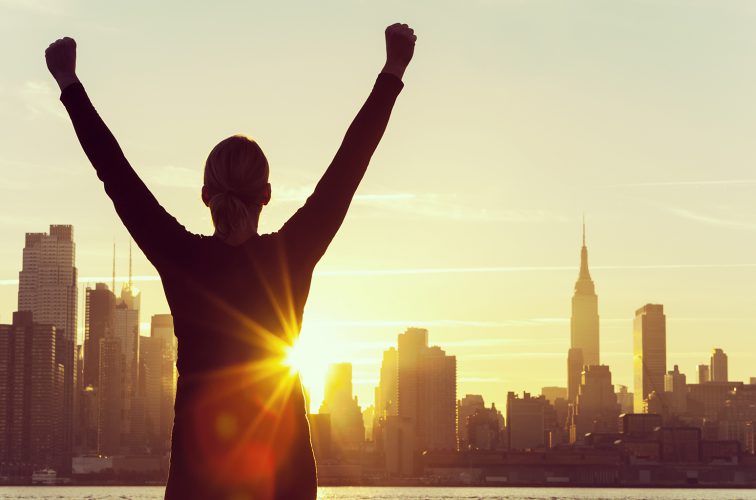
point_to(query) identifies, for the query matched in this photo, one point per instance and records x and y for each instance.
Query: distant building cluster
(104, 409)
(591, 432)
(101, 407)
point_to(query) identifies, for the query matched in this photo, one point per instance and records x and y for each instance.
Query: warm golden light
(294, 358)
(309, 358)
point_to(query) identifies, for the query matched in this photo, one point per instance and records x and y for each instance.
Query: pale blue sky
(517, 117)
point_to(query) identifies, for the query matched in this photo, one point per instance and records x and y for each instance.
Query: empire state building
(584, 324)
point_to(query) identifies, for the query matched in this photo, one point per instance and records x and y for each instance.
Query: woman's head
(236, 185)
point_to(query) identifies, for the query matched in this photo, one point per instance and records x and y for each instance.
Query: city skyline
(636, 120)
(125, 311)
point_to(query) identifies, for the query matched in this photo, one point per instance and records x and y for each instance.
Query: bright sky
(517, 117)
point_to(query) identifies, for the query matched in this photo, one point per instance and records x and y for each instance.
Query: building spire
(583, 229)
(584, 273)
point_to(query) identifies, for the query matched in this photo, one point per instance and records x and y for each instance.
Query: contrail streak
(721, 182)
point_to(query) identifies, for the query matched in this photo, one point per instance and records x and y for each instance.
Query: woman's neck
(242, 234)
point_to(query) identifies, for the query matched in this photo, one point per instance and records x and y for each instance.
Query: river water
(386, 493)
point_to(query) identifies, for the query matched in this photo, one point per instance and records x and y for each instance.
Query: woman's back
(240, 429)
(235, 303)
(240, 416)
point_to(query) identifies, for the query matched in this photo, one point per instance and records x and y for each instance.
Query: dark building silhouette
(32, 394)
(526, 421)
(624, 398)
(707, 400)
(427, 381)
(553, 393)
(737, 417)
(111, 433)
(675, 392)
(484, 429)
(596, 408)
(575, 366)
(718, 365)
(48, 289)
(126, 329)
(466, 407)
(99, 312)
(649, 352)
(157, 383)
(703, 374)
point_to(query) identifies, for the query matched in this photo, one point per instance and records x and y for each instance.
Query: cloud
(46, 7)
(710, 219)
(432, 205)
(13, 185)
(519, 269)
(25, 221)
(40, 98)
(173, 176)
(439, 323)
(453, 207)
(713, 182)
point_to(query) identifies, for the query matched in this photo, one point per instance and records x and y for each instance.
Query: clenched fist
(400, 46)
(61, 61)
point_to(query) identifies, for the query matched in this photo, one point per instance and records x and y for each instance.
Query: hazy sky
(517, 117)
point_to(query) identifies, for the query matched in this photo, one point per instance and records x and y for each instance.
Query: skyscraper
(386, 403)
(31, 397)
(157, 358)
(718, 366)
(624, 399)
(466, 408)
(411, 345)
(575, 366)
(48, 289)
(438, 399)
(427, 391)
(675, 392)
(649, 352)
(99, 313)
(596, 409)
(161, 326)
(348, 429)
(584, 323)
(703, 374)
(111, 433)
(126, 329)
(526, 423)
(47, 281)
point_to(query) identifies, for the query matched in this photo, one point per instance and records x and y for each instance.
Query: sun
(309, 358)
(294, 358)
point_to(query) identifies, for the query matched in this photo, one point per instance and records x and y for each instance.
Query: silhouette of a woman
(237, 297)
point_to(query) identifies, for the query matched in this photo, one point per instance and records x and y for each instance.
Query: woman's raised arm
(157, 233)
(311, 229)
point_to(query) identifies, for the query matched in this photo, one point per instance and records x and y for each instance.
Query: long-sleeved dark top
(240, 426)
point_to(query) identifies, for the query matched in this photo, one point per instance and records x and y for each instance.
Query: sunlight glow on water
(373, 493)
